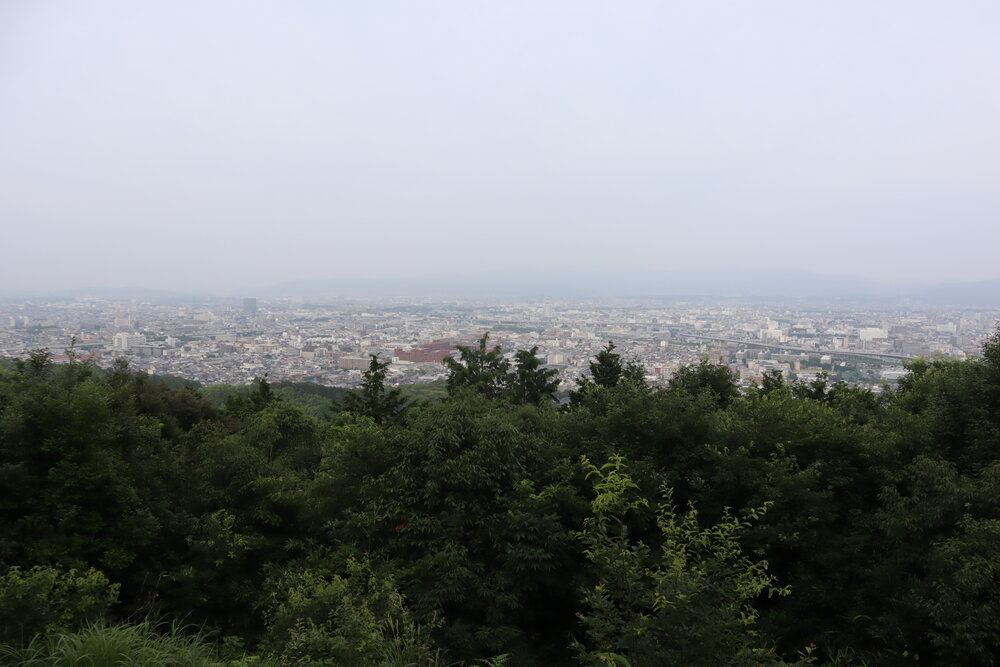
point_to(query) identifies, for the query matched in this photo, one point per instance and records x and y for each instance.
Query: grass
(144, 644)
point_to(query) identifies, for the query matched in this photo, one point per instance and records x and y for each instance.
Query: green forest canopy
(687, 525)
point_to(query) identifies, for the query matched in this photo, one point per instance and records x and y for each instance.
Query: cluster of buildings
(234, 341)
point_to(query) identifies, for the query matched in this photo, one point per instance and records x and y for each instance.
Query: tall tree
(718, 380)
(374, 400)
(482, 370)
(258, 397)
(531, 383)
(607, 369)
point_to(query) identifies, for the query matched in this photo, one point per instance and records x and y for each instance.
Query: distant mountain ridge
(725, 283)
(100, 292)
(678, 284)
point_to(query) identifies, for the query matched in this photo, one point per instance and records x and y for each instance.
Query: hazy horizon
(219, 146)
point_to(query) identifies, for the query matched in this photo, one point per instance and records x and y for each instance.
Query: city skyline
(234, 341)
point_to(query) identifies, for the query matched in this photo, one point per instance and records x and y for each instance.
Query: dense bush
(44, 599)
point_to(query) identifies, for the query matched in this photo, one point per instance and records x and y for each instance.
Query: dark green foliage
(68, 447)
(173, 381)
(608, 370)
(45, 599)
(532, 383)
(374, 400)
(259, 396)
(773, 381)
(487, 372)
(817, 390)
(315, 400)
(466, 529)
(479, 369)
(469, 504)
(332, 394)
(716, 380)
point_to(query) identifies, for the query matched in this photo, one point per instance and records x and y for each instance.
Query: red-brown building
(428, 352)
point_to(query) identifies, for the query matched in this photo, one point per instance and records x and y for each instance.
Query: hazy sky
(218, 144)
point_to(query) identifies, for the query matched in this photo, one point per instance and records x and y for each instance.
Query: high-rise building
(250, 307)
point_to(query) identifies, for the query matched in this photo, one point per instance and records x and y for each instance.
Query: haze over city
(212, 146)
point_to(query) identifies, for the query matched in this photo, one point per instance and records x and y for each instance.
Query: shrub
(44, 599)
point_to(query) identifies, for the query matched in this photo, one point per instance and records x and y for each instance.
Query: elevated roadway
(855, 354)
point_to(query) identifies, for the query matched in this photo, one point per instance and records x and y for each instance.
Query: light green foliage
(45, 599)
(353, 620)
(687, 602)
(435, 390)
(101, 645)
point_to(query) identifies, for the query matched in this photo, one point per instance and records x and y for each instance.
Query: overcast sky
(218, 144)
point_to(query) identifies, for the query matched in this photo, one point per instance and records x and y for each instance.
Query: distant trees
(259, 396)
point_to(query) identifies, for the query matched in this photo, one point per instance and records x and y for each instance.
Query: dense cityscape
(232, 341)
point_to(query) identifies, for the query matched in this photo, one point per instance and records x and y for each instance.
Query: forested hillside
(692, 525)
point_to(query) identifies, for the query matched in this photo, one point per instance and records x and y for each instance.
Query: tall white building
(868, 334)
(125, 341)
